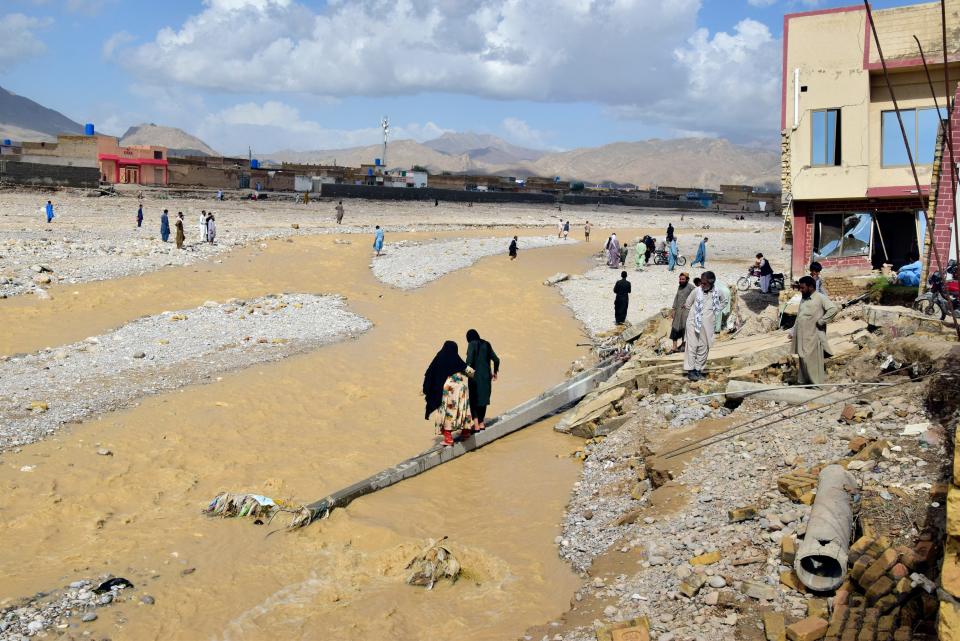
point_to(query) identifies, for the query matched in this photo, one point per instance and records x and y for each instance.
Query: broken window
(921, 126)
(825, 142)
(846, 234)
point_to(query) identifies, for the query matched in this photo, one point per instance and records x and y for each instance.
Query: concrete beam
(519, 417)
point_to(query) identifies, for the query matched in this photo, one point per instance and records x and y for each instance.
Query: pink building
(134, 165)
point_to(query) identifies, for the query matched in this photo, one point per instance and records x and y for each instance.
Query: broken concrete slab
(737, 389)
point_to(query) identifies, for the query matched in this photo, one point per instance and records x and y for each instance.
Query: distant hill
(23, 119)
(178, 142)
(401, 153)
(483, 148)
(694, 162)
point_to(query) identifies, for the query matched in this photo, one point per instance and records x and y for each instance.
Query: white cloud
(520, 133)
(633, 56)
(761, 3)
(731, 85)
(274, 125)
(18, 38)
(89, 7)
(111, 44)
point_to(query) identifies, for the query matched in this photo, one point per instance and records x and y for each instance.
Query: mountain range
(695, 162)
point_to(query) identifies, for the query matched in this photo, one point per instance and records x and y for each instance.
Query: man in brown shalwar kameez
(809, 333)
(180, 235)
(679, 311)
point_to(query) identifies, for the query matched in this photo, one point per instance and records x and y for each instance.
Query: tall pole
(385, 123)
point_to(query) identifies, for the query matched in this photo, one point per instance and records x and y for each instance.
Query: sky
(315, 74)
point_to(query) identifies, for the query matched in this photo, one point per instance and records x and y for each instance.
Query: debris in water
(256, 506)
(435, 562)
(116, 583)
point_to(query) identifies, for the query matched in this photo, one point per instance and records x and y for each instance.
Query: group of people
(457, 391)
(208, 226)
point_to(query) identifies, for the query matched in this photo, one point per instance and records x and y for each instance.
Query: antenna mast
(385, 123)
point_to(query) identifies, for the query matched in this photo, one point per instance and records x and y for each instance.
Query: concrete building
(133, 165)
(849, 196)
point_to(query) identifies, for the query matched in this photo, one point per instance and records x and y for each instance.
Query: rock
(39, 406)
(89, 616)
(556, 278)
(706, 559)
(610, 611)
(740, 514)
(712, 598)
(105, 599)
(691, 585)
(295, 226)
(759, 591)
(146, 599)
(43, 279)
(104, 452)
(34, 626)
(717, 581)
(809, 629)
(139, 355)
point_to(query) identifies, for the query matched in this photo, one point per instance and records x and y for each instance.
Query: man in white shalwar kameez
(704, 305)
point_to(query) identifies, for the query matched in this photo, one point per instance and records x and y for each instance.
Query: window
(846, 234)
(825, 142)
(921, 126)
(158, 155)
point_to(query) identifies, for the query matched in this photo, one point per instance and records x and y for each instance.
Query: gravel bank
(590, 297)
(41, 391)
(97, 238)
(410, 265)
(739, 472)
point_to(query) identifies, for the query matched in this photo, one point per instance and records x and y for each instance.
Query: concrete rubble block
(593, 407)
(740, 514)
(691, 585)
(636, 627)
(818, 608)
(758, 590)
(774, 626)
(556, 278)
(706, 559)
(872, 451)
(788, 550)
(790, 579)
(821, 562)
(809, 629)
(611, 425)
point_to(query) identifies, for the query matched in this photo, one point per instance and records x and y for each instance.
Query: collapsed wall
(42, 174)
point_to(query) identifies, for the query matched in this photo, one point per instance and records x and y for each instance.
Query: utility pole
(385, 123)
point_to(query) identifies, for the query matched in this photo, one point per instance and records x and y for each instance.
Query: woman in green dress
(480, 354)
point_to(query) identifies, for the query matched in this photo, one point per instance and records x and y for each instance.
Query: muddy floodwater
(301, 428)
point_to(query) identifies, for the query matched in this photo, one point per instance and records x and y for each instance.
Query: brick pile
(882, 599)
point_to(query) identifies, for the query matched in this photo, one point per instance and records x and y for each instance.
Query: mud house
(852, 203)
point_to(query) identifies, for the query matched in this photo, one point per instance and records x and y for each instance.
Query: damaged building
(851, 201)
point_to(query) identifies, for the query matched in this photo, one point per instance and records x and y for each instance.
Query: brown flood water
(301, 428)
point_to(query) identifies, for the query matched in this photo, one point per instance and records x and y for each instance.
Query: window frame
(915, 143)
(842, 215)
(837, 157)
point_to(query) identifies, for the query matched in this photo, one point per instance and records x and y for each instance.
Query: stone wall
(36, 174)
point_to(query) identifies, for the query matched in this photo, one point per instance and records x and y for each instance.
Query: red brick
(809, 629)
(899, 571)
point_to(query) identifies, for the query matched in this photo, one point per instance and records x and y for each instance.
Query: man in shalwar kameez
(679, 312)
(704, 304)
(809, 333)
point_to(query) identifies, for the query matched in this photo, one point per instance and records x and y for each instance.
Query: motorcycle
(752, 279)
(940, 296)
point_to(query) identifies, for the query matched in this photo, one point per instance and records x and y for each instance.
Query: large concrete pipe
(821, 562)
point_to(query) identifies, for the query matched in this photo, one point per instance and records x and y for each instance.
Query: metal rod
(903, 133)
(772, 389)
(729, 434)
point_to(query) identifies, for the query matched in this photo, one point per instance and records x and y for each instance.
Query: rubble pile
(687, 518)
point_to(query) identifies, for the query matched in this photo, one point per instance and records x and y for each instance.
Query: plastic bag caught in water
(434, 562)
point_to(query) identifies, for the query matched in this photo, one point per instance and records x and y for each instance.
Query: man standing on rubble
(809, 333)
(679, 311)
(704, 304)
